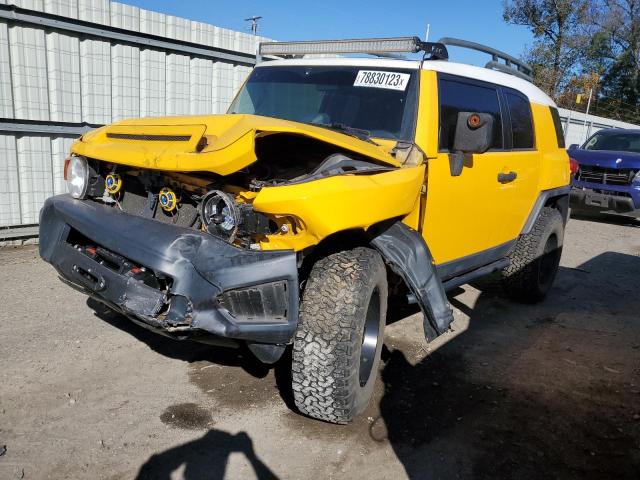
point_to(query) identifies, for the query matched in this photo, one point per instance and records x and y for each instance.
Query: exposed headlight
(637, 177)
(77, 175)
(220, 215)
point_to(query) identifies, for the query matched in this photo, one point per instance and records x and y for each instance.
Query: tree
(617, 48)
(581, 84)
(561, 32)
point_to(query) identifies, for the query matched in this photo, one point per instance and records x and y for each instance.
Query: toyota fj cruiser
(331, 187)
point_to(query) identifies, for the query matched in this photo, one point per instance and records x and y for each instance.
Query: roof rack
(369, 46)
(511, 65)
(387, 47)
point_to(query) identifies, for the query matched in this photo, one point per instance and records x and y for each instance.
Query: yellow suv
(331, 186)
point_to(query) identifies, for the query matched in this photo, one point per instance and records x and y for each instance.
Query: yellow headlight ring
(168, 199)
(113, 183)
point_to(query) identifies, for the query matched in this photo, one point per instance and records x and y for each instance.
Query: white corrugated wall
(57, 76)
(578, 126)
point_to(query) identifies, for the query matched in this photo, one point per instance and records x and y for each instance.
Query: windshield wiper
(358, 133)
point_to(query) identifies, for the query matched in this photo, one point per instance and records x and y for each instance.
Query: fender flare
(560, 195)
(408, 255)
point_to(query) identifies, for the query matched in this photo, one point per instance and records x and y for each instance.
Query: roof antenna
(426, 39)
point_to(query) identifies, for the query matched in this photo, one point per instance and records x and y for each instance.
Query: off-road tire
(535, 259)
(344, 301)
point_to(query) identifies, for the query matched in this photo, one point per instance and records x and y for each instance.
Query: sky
(480, 20)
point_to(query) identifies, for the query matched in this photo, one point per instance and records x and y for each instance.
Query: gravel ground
(544, 391)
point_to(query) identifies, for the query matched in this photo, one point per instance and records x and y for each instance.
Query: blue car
(607, 179)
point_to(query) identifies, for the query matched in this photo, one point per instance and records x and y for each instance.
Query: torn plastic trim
(408, 255)
(339, 164)
(334, 165)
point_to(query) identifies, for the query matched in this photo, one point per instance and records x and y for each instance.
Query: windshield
(380, 102)
(621, 142)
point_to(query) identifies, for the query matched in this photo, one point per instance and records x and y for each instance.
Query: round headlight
(220, 215)
(78, 177)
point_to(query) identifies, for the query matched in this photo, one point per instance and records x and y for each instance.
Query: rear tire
(336, 349)
(535, 259)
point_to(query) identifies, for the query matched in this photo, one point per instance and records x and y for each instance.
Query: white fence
(578, 126)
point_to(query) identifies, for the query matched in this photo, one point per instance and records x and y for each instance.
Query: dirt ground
(544, 391)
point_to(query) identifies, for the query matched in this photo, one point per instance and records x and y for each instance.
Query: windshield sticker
(376, 79)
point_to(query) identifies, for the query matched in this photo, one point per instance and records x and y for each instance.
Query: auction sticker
(377, 79)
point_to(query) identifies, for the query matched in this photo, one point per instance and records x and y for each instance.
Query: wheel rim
(549, 261)
(370, 335)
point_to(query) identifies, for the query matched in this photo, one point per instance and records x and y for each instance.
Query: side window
(558, 124)
(459, 96)
(521, 121)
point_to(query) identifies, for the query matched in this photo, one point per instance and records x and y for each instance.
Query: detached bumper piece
(174, 280)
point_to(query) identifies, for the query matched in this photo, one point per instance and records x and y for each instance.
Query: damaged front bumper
(175, 280)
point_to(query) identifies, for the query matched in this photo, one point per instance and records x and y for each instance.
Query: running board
(472, 275)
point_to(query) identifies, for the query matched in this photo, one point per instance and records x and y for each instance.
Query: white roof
(534, 94)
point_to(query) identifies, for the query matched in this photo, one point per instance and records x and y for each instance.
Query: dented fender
(406, 252)
(339, 203)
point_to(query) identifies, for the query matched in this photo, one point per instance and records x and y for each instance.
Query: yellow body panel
(473, 212)
(340, 203)
(554, 171)
(230, 142)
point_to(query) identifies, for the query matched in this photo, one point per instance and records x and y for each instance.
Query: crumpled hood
(606, 158)
(221, 144)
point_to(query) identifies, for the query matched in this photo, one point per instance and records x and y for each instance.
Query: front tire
(336, 348)
(535, 259)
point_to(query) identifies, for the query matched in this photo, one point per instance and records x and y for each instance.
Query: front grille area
(150, 138)
(606, 176)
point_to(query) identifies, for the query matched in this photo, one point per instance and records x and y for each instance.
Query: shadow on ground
(185, 350)
(204, 458)
(611, 218)
(545, 391)
(244, 384)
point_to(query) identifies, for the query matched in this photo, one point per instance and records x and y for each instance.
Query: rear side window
(457, 96)
(558, 124)
(521, 122)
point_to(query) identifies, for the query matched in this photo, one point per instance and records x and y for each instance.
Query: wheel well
(560, 203)
(348, 240)
(336, 242)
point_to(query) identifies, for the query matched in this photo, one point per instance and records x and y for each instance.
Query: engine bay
(223, 205)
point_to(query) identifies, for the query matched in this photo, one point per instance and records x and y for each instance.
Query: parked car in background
(608, 173)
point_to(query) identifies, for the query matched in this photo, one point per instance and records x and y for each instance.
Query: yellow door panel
(515, 199)
(463, 212)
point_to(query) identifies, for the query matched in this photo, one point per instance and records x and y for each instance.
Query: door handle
(507, 177)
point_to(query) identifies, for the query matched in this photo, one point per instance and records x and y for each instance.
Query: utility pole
(586, 115)
(254, 24)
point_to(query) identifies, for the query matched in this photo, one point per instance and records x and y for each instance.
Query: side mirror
(474, 134)
(574, 146)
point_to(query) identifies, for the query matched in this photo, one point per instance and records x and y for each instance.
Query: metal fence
(69, 65)
(578, 126)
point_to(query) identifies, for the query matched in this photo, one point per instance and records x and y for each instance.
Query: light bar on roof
(367, 46)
